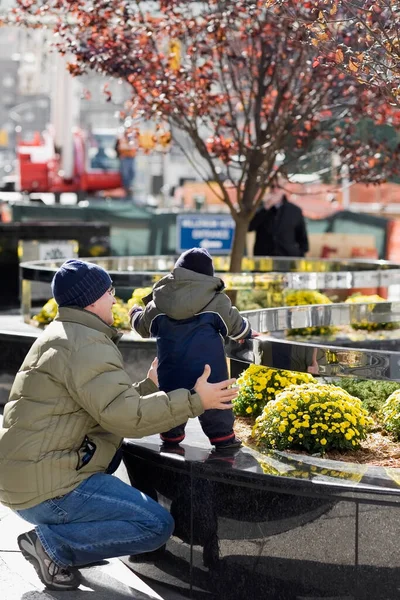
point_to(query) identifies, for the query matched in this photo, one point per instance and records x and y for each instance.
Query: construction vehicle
(92, 164)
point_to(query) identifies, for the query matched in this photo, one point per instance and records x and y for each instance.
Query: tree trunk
(239, 244)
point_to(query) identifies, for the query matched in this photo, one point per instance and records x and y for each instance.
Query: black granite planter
(274, 526)
(314, 529)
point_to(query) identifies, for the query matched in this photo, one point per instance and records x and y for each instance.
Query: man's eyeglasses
(111, 291)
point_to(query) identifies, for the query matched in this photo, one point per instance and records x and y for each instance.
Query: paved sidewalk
(109, 581)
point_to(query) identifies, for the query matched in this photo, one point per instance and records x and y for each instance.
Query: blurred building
(30, 99)
(27, 66)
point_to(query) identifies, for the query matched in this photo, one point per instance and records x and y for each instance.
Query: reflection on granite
(273, 525)
(323, 358)
(342, 478)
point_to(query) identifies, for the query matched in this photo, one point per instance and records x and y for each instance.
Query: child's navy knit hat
(196, 259)
(78, 283)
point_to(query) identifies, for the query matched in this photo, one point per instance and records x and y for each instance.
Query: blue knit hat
(78, 283)
(196, 259)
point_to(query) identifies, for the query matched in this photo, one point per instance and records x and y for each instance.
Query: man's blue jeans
(103, 517)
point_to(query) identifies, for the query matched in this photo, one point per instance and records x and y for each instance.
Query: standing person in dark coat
(280, 227)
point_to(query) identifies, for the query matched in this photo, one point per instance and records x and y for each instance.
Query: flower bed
(319, 417)
(120, 310)
(258, 385)
(314, 417)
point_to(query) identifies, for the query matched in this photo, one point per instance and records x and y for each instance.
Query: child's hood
(184, 293)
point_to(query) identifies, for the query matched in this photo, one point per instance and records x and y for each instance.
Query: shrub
(366, 325)
(371, 393)
(303, 297)
(313, 416)
(258, 385)
(137, 296)
(120, 313)
(390, 414)
(260, 298)
(47, 313)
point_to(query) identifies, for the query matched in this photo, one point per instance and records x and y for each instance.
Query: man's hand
(215, 395)
(152, 372)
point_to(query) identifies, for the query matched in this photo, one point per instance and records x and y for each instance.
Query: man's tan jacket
(70, 405)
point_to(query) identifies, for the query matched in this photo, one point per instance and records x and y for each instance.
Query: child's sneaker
(232, 443)
(53, 576)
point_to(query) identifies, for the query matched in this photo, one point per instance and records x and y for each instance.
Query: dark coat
(280, 231)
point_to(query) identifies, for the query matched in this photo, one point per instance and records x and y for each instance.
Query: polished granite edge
(297, 473)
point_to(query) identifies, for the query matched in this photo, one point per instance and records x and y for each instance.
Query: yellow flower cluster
(47, 313)
(137, 296)
(373, 299)
(120, 309)
(390, 414)
(304, 297)
(258, 385)
(120, 314)
(301, 297)
(313, 416)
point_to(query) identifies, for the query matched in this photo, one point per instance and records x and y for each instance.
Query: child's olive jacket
(189, 315)
(71, 404)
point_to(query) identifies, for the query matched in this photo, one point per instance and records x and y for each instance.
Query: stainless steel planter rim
(319, 356)
(296, 273)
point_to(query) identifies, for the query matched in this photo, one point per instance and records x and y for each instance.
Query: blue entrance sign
(213, 232)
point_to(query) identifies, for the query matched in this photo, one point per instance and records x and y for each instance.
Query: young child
(189, 315)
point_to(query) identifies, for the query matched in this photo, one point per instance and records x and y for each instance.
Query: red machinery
(40, 165)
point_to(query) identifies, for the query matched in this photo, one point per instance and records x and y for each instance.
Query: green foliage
(270, 295)
(315, 417)
(390, 414)
(371, 393)
(258, 385)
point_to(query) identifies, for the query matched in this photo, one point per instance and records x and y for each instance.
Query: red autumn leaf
(244, 73)
(339, 55)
